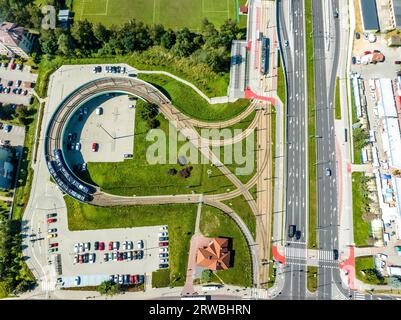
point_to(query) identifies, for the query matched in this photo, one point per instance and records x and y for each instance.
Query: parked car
(80, 258)
(397, 62)
(18, 83)
(75, 259)
(353, 59)
(367, 52)
(95, 146)
(163, 238)
(87, 246)
(291, 230)
(101, 246)
(139, 244)
(163, 255)
(53, 250)
(52, 245)
(357, 35)
(99, 111)
(116, 245)
(130, 245)
(163, 265)
(78, 146)
(106, 257)
(163, 228)
(51, 220)
(7, 128)
(96, 245)
(163, 234)
(76, 248)
(163, 244)
(52, 230)
(110, 247)
(163, 250)
(92, 258)
(129, 255)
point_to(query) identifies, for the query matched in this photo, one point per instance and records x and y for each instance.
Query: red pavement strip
(277, 255)
(349, 266)
(249, 94)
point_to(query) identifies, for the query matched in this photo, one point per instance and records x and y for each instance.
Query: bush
(207, 275)
(109, 288)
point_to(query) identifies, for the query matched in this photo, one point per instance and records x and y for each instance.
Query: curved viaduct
(70, 184)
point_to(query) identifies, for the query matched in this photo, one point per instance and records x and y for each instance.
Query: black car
(51, 215)
(335, 254)
(97, 245)
(357, 36)
(86, 257)
(291, 230)
(298, 235)
(163, 266)
(163, 239)
(80, 117)
(125, 255)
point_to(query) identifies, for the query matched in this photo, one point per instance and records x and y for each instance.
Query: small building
(15, 40)
(394, 41)
(214, 256)
(63, 15)
(6, 168)
(370, 21)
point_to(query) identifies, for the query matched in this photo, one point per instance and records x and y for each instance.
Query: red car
(81, 258)
(52, 245)
(111, 245)
(119, 256)
(163, 244)
(367, 52)
(51, 220)
(12, 66)
(94, 146)
(101, 246)
(136, 279)
(131, 279)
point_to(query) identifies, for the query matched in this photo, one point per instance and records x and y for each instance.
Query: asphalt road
(296, 149)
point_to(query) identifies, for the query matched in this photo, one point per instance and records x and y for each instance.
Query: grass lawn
(361, 228)
(242, 162)
(367, 266)
(193, 105)
(281, 82)
(172, 14)
(161, 278)
(337, 100)
(214, 223)
(242, 208)
(311, 125)
(24, 182)
(180, 219)
(312, 279)
(137, 177)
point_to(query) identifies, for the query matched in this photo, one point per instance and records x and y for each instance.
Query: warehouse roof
(369, 15)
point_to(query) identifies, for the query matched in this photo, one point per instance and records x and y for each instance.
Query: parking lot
(9, 78)
(112, 129)
(16, 136)
(148, 264)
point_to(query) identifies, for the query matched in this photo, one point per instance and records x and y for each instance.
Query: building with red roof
(214, 256)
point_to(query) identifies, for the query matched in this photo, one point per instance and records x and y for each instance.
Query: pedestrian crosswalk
(359, 296)
(300, 253)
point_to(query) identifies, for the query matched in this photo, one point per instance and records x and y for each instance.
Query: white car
(163, 234)
(75, 259)
(92, 258)
(163, 250)
(164, 228)
(116, 245)
(139, 244)
(81, 247)
(130, 245)
(164, 260)
(129, 255)
(87, 246)
(76, 247)
(114, 256)
(124, 245)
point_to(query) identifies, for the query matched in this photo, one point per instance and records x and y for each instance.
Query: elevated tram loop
(67, 181)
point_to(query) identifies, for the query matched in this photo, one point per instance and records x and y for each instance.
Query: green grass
(172, 14)
(247, 169)
(193, 105)
(312, 279)
(161, 278)
(253, 192)
(156, 58)
(281, 82)
(337, 101)
(366, 265)
(311, 125)
(242, 208)
(24, 182)
(361, 228)
(180, 219)
(214, 223)
(138, 177)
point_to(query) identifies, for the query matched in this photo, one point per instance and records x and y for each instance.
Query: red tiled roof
(215, 256)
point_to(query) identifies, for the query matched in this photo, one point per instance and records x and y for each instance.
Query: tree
(101, 33)
(109, 288)
(206, 275)
(229, 31)
(156, 33)
(210, 34)
(154, 123)
(82, 33)
(186, 43)
(168, 39)
(149, 111)
(64, 44)
(48, 42)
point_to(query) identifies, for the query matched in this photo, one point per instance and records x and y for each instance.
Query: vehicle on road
(298, 235)
(291, 230)
(286, 43)
(77, 281)
(357, 35)
(335, 13)
(84, 167)
(78, 146)
(397, 62)
(328, 172)
(335, 254)
(353, 59)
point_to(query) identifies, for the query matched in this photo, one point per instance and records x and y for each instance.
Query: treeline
(15, 277)
(84, 39)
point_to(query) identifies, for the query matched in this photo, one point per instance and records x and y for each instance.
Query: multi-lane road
(296, 195)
